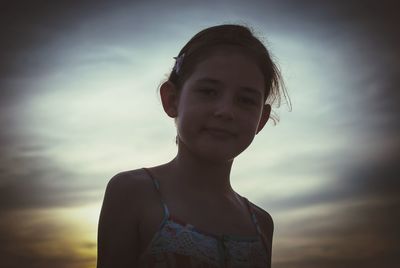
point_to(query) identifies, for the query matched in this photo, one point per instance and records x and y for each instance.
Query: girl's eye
(247, 101)
(208, 91)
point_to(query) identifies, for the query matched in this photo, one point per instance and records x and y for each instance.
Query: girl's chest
(207, 220)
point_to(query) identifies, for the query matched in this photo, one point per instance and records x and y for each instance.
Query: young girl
(185, 213)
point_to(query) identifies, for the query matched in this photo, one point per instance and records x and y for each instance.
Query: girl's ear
(264, 117)
(169, 98)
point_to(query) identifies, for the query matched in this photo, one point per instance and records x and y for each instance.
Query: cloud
(32, 182)
(38, 238)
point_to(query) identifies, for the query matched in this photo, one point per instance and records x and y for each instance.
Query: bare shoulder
(132, 184)
(128, 178)
(118, 238)
(128, 184)
(265, 221)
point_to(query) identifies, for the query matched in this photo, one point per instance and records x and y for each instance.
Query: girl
(185, 213)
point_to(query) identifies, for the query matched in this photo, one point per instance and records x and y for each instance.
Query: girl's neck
(200, 175)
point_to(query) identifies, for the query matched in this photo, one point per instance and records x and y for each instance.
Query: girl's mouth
(219, 132)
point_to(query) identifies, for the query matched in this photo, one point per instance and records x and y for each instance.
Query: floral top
(179, 244)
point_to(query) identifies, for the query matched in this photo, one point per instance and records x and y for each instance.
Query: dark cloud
(34, 34)
(368, 32)
(33, 182)
(27, 30)
(26, 27)
(348, 236)
(361, 228)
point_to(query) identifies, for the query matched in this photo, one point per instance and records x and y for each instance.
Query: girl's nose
(224, 110)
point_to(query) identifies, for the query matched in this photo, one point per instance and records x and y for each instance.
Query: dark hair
(237, 36)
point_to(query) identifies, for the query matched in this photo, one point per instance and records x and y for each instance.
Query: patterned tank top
(179, 244)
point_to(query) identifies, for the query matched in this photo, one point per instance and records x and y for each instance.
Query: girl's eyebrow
(252, 91)
(208, 80)
(246, 89)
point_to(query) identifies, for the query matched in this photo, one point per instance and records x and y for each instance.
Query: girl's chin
(215, 154)
(213, 150)
(216, 159)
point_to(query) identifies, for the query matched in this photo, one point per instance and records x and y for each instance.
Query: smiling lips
(219, 132)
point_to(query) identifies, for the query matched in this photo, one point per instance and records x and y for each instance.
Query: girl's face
(221, 106)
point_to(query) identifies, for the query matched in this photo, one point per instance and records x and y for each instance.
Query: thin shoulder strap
(157, 187)
(255, 221)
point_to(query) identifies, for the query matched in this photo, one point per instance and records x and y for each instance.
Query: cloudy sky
(79, 103)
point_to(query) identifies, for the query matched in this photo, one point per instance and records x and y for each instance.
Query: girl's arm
(118, 225)
(267, 230)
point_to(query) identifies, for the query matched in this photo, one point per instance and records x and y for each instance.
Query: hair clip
(178, 63)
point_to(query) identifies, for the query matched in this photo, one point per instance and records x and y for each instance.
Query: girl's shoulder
(120, 217)
(264, 219)
(129, 179)
(129, 186)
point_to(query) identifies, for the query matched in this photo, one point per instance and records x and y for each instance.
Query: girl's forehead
(227, 66)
